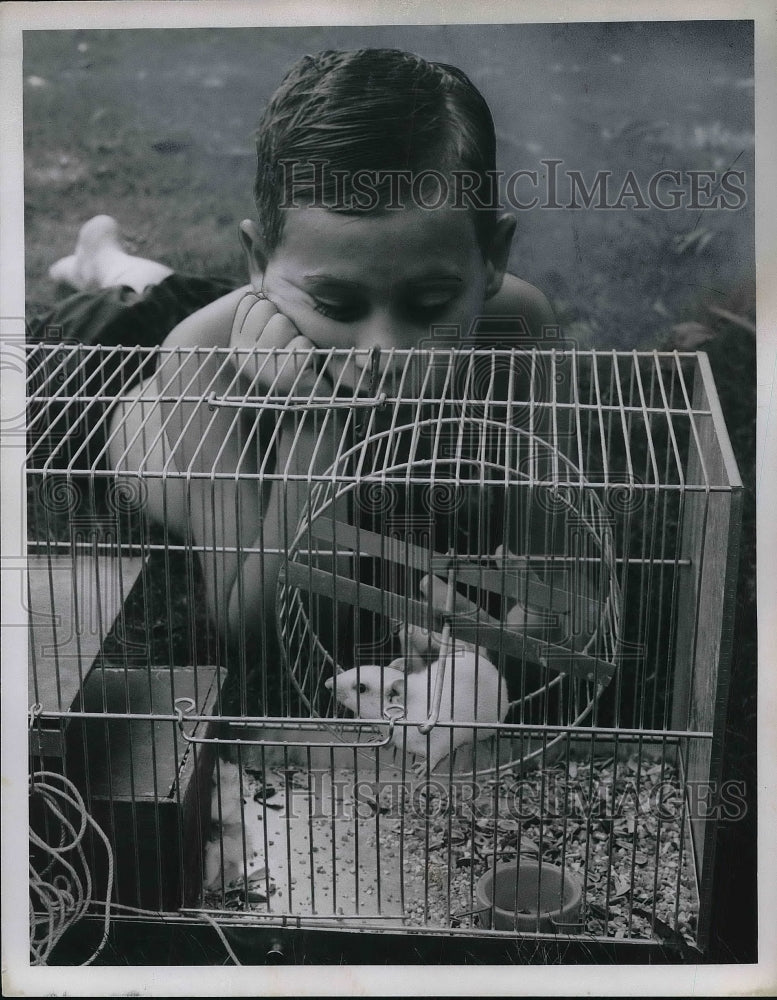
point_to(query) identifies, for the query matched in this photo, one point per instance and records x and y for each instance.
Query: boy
(354, 247)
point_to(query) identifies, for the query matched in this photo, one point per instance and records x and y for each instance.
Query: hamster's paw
(418, 768)
(216, 876)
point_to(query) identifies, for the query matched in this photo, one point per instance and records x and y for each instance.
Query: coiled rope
(61, 891)
(61, 888)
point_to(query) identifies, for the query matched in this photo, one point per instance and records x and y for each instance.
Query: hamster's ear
(329, 683)
(255, 252)
(396, 689)
(499, 253)
(409, 664)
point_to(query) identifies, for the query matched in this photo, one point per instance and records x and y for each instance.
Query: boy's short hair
(383, 111)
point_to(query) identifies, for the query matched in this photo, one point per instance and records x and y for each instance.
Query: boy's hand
(566, 613)
(420, 643)
(259, 325)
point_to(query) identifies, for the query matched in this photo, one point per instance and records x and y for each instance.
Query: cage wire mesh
(427, 639)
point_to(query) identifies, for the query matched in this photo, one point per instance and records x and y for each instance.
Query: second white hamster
(473, 691)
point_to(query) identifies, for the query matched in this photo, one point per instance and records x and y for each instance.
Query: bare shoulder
(519, 298)
(210, 326)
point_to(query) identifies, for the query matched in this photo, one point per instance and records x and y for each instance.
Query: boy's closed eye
(421, 302)
(339, 311)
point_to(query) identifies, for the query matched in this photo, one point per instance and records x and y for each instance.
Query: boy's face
(382, 279)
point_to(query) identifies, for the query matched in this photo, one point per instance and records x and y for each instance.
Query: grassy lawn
(155, 128)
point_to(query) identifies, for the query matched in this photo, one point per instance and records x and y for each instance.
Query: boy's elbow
(519, 309)
(539, 316)
(545, 316)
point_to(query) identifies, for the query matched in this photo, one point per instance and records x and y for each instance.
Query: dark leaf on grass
(171, 145)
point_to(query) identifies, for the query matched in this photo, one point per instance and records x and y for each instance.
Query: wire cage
(433, 641)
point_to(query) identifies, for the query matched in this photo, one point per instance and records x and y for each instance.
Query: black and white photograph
(381, 478)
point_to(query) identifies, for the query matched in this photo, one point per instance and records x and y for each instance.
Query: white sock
(100, 262)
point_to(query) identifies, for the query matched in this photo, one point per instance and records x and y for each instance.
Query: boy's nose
(385, 333)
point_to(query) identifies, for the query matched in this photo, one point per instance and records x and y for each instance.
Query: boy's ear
(254, 250)
(499, 253)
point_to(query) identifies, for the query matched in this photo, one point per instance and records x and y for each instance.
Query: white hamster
(231, 830)
(368, 690)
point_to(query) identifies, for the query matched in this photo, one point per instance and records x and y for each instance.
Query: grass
(155, 128)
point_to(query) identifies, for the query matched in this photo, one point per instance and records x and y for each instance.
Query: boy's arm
(228, 513)
(210, 326)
